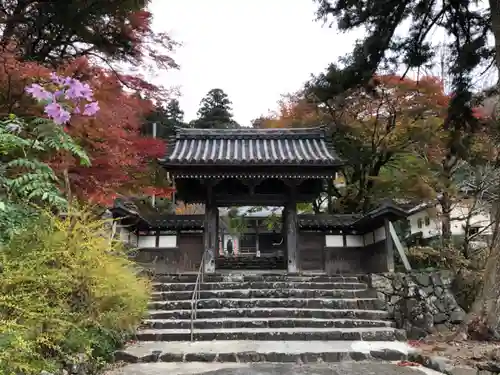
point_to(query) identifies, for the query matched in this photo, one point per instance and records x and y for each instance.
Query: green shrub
(426, 257)
(466, 286)
(65, 291)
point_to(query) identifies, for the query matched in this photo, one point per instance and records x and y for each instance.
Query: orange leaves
(189, 209)
(396, 107)
(293, 111)
(397, 113)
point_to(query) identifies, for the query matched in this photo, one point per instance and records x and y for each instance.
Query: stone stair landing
(277, 318)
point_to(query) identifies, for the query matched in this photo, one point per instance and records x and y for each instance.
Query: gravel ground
(194, 368)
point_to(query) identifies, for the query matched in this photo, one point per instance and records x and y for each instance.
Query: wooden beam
(389, 246)
(399, 247)
(291, 232)
(209, 231)
(258, 199)
(257, 245)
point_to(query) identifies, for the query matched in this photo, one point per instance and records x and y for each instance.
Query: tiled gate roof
(247, 147)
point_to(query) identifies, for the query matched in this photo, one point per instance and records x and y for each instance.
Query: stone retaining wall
(419, 302)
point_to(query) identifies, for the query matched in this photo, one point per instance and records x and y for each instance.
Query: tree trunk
(448, 164)
(491, 287)
(486, 307)
(483, 318)
(495, 27)
(484, 315)
(445, 202)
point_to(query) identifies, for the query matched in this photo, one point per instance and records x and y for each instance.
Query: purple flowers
(91, 109)
(75, 92)
(57, 113)
(38, 92)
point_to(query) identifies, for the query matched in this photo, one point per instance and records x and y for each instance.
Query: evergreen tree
(167, 118)
(109, 30)
(468, 27)
(468, 24)
(215, 112)
(174, 113)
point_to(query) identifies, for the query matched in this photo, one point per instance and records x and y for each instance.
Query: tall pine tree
(167, 118)
(467, 24)
(215, 112)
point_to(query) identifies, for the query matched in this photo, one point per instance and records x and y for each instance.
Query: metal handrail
(196, 293)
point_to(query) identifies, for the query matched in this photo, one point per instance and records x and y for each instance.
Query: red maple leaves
(121, 157)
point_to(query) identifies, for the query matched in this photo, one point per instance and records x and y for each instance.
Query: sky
(254, 50)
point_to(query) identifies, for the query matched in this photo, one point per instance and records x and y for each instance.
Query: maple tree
(101, 43)
(294, 110)
(167, 117)
(120, 157)
(434, 153)
(182, 208)
(114, 34)
(373, 130)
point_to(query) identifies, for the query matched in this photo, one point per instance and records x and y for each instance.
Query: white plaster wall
(481, 218)
(354, 241)
(168, 241)
(428, 231)
(133, 239)
(459, 215)
(147, 241)
(379, 234)
(332, 240)
(123, 234)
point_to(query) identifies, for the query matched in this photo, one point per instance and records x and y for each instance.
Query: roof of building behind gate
(247, 147)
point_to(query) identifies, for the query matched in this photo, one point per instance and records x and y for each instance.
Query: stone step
(277, 312)
(191, 278)
(264, 323)
(290, 334)
(263, 351)
(248, 303)
(264, 293)
(259, 285)
(264, 263)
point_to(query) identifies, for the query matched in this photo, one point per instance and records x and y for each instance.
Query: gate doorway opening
(251, 238)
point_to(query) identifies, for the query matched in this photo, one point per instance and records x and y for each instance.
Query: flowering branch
(68, 96)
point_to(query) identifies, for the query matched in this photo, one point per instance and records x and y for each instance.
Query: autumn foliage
(371, 127)
(121, 157)
(294, 110)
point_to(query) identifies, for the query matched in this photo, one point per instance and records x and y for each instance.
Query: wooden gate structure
(261, 167)
(267, 167)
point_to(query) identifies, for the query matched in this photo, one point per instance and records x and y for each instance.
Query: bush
(66, 292)
(468, 277)
(466, 286)
(421, 257)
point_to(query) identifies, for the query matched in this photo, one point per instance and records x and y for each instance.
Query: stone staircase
(275, 318)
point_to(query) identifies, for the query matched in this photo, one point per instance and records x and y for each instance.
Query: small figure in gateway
(229, 247)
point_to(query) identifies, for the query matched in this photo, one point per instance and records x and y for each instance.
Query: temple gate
(234, 167)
